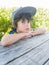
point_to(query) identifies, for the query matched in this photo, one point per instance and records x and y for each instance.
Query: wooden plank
(29, 62)
(21, 48)
(35, 55)
(47, 62)
(43, 55)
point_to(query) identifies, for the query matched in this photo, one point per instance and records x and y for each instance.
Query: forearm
(39, 31)
(11, 38)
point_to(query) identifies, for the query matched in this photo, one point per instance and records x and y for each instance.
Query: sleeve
(10, 31)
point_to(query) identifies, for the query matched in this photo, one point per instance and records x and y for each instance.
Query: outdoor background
(41, 19)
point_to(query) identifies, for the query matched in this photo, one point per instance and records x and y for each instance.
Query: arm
(11, 38)
(38, 31)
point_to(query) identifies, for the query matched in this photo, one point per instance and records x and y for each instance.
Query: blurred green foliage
(40, 19)
(5, 20)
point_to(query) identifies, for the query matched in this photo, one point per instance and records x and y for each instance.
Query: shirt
(10, 31)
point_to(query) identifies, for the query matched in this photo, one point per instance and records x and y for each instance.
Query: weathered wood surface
(30, 51)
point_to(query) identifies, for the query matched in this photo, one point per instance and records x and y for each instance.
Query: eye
(23, 21)
(28, 22)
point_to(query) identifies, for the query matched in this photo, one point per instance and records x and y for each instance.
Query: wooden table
(30, 51)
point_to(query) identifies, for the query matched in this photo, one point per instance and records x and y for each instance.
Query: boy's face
(23, 26)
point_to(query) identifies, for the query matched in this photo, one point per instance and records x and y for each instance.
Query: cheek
(20, 27)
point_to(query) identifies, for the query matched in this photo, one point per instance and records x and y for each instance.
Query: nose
(27, 25)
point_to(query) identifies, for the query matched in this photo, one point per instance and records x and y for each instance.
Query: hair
(22, 16)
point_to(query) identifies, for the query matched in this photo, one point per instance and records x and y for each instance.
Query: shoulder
(10, 31)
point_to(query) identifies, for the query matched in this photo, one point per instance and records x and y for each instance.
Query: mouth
(27, 29)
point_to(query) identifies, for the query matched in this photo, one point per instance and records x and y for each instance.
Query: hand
(36, 32)
(29, 34)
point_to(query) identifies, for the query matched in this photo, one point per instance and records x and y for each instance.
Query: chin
(27, 31)
(24, 31)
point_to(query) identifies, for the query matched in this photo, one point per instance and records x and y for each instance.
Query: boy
(21, 19)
